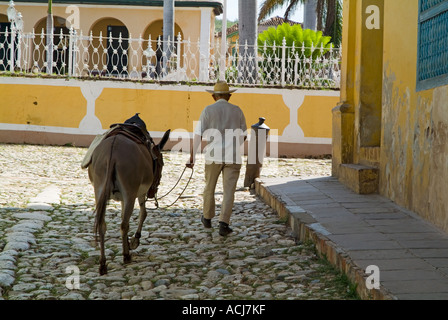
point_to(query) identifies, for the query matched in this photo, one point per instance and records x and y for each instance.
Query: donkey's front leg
(135, 241)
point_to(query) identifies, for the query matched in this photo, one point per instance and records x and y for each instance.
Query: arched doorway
(155, 32)
(4, 41)
(60, 42)
(111, 35)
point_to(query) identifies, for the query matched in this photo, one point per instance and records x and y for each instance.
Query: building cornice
(216, 5)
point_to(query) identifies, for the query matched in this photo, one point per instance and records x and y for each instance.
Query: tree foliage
(329, 19)
(269, 6)
(328, 12)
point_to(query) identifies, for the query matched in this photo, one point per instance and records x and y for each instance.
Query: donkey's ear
(164, 140)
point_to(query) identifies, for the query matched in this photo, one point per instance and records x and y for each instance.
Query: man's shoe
(224, 229)
(206, 222)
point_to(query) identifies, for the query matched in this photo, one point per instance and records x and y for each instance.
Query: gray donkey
(125, 165)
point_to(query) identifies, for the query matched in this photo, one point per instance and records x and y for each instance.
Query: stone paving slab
(358, 231)
(398, 275)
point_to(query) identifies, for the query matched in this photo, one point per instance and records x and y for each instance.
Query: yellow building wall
(68, 110)
(313, 116)
(399, 104)
(412, 156)
(160, 109)
(136, 19)
(168, 109)
(414, 165)
(139, 21)
(41, 105)
(269, 106)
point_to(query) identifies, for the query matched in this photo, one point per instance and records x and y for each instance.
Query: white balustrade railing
(78, 55)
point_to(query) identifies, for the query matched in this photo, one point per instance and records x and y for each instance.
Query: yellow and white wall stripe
(60, 111)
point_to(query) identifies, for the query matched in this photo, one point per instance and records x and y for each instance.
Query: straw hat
(221, 87)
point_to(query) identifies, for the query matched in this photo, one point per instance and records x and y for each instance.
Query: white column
(222, 73)
(310, 15)
(90, 124)
(204, 59)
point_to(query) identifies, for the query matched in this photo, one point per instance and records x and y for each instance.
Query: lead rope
(156, 199)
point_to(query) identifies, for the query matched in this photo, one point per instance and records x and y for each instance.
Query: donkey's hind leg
(103, 266)
(135, 241)
(127, 208)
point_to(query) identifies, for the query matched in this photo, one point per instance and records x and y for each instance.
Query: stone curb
(306, 228)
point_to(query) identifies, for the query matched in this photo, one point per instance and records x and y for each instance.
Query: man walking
(223, 126)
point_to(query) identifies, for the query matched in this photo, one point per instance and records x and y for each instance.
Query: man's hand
(190, 163)
(196, 145)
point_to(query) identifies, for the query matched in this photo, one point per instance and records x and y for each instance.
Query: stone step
(359, 178)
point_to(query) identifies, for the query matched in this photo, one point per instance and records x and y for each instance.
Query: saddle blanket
(88, 157)
(132, 132)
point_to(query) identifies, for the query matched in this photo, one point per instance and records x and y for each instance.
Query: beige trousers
(230, 175)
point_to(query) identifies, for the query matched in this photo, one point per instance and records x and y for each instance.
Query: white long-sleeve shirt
(223, 126)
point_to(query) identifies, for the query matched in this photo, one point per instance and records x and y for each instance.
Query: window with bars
(432, 62)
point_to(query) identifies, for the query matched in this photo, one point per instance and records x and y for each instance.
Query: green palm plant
(296, 38)
(291, 43)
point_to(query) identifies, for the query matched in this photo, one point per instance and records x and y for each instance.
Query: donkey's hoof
(103, 269)
(127, 258)
(135, 242)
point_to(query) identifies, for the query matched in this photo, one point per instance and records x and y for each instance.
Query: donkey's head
(158, 163)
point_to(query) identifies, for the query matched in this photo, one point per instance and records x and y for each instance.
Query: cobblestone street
(46, 225)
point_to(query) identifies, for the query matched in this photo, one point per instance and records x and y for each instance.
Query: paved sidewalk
(356, 231)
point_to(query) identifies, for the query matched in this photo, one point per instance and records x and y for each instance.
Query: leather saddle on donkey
(135, 129)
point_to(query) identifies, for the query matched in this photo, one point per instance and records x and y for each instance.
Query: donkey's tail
(99, 226)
